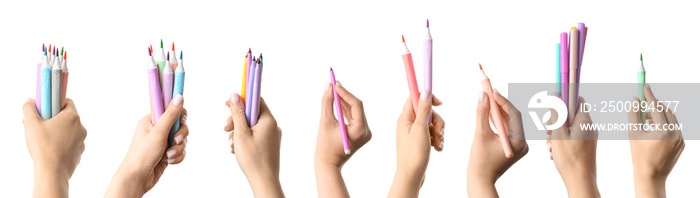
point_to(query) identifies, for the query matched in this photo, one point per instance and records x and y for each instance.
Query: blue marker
(178, 86)
(45, 78)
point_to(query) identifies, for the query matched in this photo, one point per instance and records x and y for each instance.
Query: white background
(515, 42)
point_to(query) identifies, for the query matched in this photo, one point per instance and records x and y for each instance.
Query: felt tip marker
(161, 59)
(245, 76)
(255, 101)
(410, 76)
(249, 89)
(46, 91)
(167, 87)
(178, 88)
(573, 74)
(64, 79)
(341, 119)
(495, 114)
(641, 82)
(155, 91)
(173, 61)
(428, 64)
(564, 68)
(56, 74)
(558, 75)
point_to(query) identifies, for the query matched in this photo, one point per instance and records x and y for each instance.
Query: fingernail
(338, 83)
(424, 95)
(442, 145)
(496, 91)
(327, 86)
(442, 132)
(177, 99)
(184, 119)
(438, 100)
(230, 141)
(550, 155)
(170, 153)
(549, 146)
(648, 85)
(235, 99)
(170, 161)
(481, 95)
(178, 139)
(27, 100)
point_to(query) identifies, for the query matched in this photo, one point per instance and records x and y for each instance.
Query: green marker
(641, 82)
(161, 62)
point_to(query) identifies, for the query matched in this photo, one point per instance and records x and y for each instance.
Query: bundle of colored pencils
(166, 79)
(250, 86)
(569, 59)
(51, 82)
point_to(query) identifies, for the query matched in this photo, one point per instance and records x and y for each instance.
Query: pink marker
(564, 67)
(410, 76)
(341, 119)
(155, 91)
(168, 81)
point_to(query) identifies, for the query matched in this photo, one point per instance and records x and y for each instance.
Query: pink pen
(155, 91)
(168, 81)
(64, 80)
(496, 115)
(428, 64)
(564, 67)
(410, 76)
(341, 119)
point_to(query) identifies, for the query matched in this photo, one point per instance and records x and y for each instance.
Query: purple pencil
(255, 104)
(341, 119)
(563, 38)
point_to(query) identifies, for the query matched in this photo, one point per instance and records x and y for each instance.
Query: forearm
(124, 184)
(266, 185)
(329, 181)
(581, 185)
(648, 186)
(481, 186)
(406, 184)
(50, 183)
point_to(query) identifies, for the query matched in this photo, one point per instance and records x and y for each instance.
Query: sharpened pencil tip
(161, 43)
(180, 54)
(480, 67)
(427, 23)
(640, 57)
(403, 39)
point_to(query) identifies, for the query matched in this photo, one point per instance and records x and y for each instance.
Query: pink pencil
(155, 91)
(563, 38)
(168, 81)
(496, 115)
(341, 119)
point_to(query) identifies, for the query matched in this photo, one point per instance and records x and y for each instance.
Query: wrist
(408, 179)
(266, 185)
(581, 184)
(649, 185)
(49, 182)
(125, 184)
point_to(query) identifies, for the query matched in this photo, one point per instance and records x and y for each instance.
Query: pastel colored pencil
(173, 61)
(161, 60)
(641, 82)
(249, 99)
(428, 64)
(155, 91)
(45, 76)
(558, 75)
(245, 76)
(167, 87)
(44, 60)
(56, 74)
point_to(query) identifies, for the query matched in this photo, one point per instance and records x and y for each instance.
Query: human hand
(487, 161)
(148, 154)
(654, 152)
(330, 156)
(257, 148)
(55, 146)
(574, 153)
(414, 137)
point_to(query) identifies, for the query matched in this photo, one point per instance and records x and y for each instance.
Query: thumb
(166, 121)
(424, 109)
(240, 123)
(327, 105)
(482, 113)
(30, 113)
